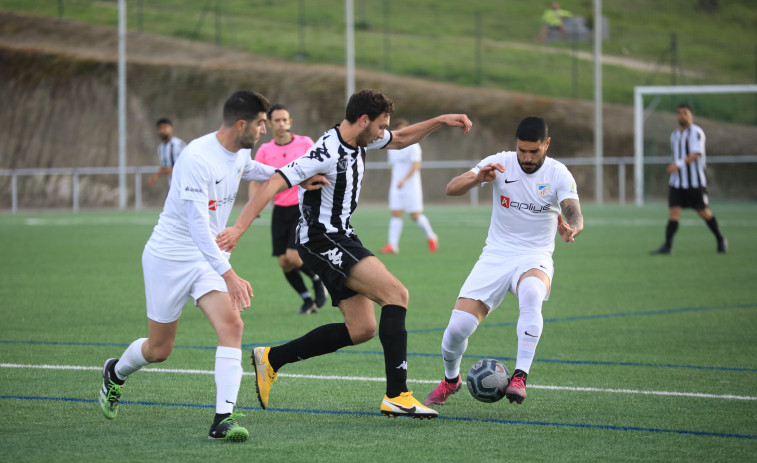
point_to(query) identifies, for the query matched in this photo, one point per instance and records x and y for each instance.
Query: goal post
(640, 115)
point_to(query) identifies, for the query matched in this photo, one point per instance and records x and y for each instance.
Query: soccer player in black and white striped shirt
(688, 183)
(329, 246)
(168, 150)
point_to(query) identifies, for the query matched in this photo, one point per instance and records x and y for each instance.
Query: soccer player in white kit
(530, 192)
(406, 194)
(181, 260)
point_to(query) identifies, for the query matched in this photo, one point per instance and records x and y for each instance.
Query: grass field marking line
(418, 381)
(451, 418)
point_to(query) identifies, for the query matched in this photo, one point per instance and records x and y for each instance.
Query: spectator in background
(552, 19)
(168, 150)
(405, 194)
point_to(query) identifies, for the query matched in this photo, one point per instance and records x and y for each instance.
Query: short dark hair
(276, 107)
(163, 120)
(532, 128)
(685, 105)
(368, 101)
(243, 105)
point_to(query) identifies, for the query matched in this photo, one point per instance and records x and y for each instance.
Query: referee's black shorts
(331, 256)
(283, 228)
(694, 198)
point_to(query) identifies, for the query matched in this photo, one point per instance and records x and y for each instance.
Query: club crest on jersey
(342, 164)
(239, 173)
(543, 189)
(212, 205)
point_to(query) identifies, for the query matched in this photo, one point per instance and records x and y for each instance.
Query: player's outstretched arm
(463, 183)
(417, 132)
(573, 224)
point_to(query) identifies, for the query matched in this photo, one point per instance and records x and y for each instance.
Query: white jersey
(402, 162)
(526, 206)
(209, 173)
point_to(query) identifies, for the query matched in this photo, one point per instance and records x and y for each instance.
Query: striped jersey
(328, 209)
(168, 152)
(683, 143)
(274, 155)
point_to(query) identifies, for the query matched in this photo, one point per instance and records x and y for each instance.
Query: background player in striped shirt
(327, 243)
(283, 149)
(688, 183)
(406, 194)
(531, 193)
(168, 150)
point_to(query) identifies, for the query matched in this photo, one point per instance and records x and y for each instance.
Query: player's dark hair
(368, 101)
(685, 105)
(532, 128)
(276, 107)
(400, 122)
(243, 105)
(163, 120)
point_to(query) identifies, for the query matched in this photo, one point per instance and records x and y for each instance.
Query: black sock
(295, 280)
(114, 377)
(393, 337)
(670, 231)
(311, 274)
(453, 381)
(323, 340)
(713, 224)
(220, 417)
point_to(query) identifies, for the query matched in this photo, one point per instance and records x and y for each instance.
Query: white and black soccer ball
(487, 380)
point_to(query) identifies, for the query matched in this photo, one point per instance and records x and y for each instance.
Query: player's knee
(362, 332)
(531, 293)
(159, 353)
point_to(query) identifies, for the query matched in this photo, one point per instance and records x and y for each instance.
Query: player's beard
(165, 137)
(362, 138)
(532, 167)
(248, 141)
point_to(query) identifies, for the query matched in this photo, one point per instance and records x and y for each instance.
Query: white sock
(228, 378)
(395, 230)
(455, 340)
(425, 225)
(531, 293)
(131, 360)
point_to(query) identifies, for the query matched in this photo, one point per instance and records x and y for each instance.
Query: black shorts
(694, 198)
(331, 256)
(283, 228)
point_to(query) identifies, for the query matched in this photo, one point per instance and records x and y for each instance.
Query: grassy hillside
(439, 40)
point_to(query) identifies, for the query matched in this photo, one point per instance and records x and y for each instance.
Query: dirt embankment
(58, 87)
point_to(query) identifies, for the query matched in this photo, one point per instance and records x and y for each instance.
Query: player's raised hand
(488, 173)
(458, 120)
(565, 230)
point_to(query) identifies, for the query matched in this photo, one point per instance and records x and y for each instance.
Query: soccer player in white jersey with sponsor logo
(283, 149)
(181, 260)
(168, 150)
(406, 194)
(327, 243)
(531, 192)
(688, 183)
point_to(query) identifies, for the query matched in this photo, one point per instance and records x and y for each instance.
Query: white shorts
(170, 283)
(494, 275)
(408, 198)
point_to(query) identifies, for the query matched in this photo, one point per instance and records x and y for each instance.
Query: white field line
(419, 381)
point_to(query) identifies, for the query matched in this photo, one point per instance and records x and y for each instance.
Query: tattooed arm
(573, 224)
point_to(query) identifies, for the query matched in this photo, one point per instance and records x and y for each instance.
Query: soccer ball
(487, 380)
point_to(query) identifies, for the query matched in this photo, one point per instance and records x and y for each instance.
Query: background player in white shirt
(283, 149)
(327, 243)
(182, 260)
(530, 192)
(168, 150)
(406, 194)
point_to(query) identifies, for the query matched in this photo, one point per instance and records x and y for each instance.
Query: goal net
(726, 113)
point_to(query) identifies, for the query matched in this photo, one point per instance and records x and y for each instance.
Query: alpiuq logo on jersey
(506, 202)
